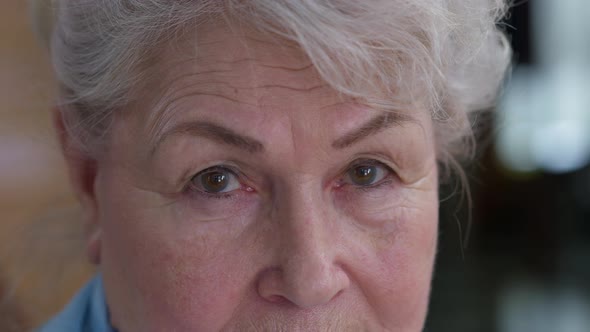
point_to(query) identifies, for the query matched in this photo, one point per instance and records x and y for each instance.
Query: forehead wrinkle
(282, 42)
(172, 91)
(280, 86)
(233, 87)
(163, 114)
(173, 96)
(228, 66)
(208, 64)
(171, 83)
(293, 69)
(205, 61)
(334, 104)
(169, 66)
(207, 68)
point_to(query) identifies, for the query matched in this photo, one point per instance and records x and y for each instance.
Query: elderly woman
(265, 165)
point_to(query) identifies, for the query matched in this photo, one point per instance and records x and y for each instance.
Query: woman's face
(243, 193)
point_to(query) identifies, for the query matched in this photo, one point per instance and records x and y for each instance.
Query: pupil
(215, 182)
(364, 174)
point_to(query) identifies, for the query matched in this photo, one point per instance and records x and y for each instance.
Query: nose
(307, 270)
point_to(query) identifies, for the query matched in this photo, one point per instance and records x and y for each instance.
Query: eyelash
(387, 180)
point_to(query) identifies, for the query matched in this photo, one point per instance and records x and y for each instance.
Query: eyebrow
(214, 132)
(227, 136)
(372, 127)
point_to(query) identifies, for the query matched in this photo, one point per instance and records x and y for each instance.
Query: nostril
(277, 299)
(338, 294)
(271, 288)
(305, 283)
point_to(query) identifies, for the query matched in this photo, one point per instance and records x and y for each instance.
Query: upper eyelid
(370, 161)
(230, 169)
(367, 161)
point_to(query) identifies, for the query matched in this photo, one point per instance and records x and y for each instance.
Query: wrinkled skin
(295, 241)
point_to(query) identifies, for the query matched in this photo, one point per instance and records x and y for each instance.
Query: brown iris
(215, 181)
(363, 175)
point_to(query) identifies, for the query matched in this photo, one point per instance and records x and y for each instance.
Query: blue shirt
(87, 312)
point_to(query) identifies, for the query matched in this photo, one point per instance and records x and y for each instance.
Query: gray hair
(447, 54)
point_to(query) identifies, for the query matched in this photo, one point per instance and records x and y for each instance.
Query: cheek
(191, 281)
(163, 270)
(176, 283)
(379, 210)
(396, 270)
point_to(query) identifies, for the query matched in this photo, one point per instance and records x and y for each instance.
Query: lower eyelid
(195, 193)
(387, 180)
(217, 196)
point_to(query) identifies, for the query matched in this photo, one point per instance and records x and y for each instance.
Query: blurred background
(524, 267)
(41, 254)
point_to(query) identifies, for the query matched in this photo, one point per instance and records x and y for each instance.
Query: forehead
(239, 77)
(216, 54)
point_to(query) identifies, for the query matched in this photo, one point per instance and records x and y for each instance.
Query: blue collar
(87, 312)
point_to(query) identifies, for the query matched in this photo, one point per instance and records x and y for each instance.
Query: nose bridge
(307, 273)
(303, 218)
(304, 238)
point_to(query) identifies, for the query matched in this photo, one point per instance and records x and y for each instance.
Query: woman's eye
(216, 180)
(366, 175)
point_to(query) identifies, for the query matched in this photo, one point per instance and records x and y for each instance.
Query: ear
(82, 171)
